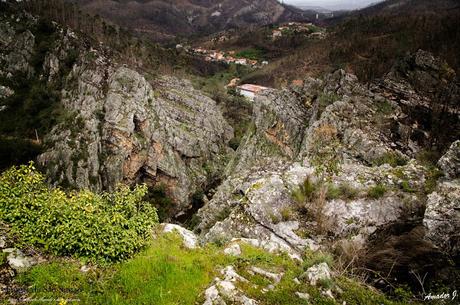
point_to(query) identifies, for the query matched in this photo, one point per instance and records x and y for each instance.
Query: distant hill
(333, 6)
(165, 20)
(369, 41)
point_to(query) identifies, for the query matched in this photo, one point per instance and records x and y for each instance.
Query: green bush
(103, 227)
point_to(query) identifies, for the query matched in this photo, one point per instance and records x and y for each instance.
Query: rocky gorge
(330, 165)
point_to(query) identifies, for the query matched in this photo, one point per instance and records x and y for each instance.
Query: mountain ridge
(165, 20)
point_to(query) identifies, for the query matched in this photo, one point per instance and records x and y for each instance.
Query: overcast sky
(333, 4)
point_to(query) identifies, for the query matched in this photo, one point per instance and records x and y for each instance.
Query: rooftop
(252, 88)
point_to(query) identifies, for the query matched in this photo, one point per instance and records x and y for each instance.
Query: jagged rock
(225, 290)
(274, 277)
(85, 268)
(189, 238)
(303, 296)
(328, 293)
(131, 130)
(257, 204)
(17, 47)
(257, 194)
(317, 273)
(450, 162)
(18, 261)
(233, 249)
(442, 218)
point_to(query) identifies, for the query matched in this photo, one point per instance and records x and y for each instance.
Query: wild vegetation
(171, 274)
(102, 227)
(106, 248)
(366, 44)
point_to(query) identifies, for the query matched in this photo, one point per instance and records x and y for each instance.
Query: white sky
(334, 4)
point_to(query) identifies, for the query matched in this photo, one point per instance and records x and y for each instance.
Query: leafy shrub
(101, 227)
(377, 191)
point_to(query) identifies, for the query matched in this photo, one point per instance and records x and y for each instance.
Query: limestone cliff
(111, 123)
(349, 152)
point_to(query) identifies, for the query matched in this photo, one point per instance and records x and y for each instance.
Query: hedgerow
(104, 227)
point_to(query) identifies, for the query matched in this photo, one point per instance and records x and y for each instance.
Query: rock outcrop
(350, 142)
(124, 129)
(17, 48)
(442, 217)
(450, 162)
(117, 126)
(110, 123)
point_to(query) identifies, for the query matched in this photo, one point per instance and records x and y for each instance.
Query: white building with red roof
(250, 91)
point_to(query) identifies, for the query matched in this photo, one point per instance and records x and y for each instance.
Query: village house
(241, 61)
(250, 91)
(276, 34)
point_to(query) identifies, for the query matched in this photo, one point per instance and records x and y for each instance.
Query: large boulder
(442, 218)
(450, 162)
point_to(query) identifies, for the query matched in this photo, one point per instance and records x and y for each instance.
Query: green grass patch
(305, 192)
(343, 191)
(377, 191)
(167, 273)
(406, 187)
(164, 273)
(252, 53)
(391, 159)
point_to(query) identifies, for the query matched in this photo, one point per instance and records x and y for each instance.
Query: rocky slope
(329, 164)
(336, 134)
(114, 125)
(166, 19)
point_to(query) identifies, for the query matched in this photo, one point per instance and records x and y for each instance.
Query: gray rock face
(277, 131)
(122, 128)
(116, 126)
(282, 150)
(442, 217)
(317, 273)
(450, 162)
(17, 47)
